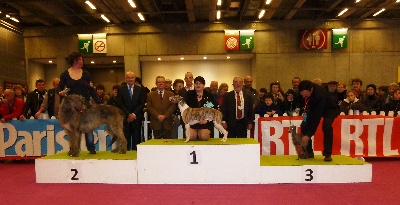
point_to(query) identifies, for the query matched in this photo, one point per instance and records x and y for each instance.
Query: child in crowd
(351, 103)
(394, 103)
(268, 108)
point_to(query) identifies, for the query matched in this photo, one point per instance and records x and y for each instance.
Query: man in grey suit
(160, 110)
(132, 99)
(237, 110)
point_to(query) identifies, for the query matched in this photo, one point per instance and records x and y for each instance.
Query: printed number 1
(75, 171)
(310, 172)
(194, 158)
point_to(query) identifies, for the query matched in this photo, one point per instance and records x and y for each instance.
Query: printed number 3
(75, 172)
(310, 172)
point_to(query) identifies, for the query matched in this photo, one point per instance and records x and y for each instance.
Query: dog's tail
(113, 139)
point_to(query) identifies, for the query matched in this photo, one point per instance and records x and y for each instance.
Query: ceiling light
(159, 59)
(377, 13)
(219, 2)
(114, 61)
(397, 1)
(14, 19)
(90, 4)
(105, 18)
(342, 12)
(268, 2)
(140, 16)
(218, 15)
(132, 3)
(8, 16)
(261, 14)
(182, 58)
(228, 57)
(50, 61)
(205, 57)
(358, 1)
(92, 62)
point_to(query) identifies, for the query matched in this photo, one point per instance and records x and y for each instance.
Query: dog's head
(75, 102)
(176, 98)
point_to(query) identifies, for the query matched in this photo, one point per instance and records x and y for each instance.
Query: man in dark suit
(237, 110)
(132, 99)
(34, 100)
(160, 110)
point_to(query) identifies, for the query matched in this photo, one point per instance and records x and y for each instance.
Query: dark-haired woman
(198, 98)
(79, 82)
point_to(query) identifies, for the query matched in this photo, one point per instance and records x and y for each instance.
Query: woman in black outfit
(200, 98)
(79, 82)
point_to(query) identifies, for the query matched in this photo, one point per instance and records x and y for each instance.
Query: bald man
(11, 107)
(132, 99)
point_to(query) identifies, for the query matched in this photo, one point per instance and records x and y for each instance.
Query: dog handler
(317, 104)
(79, 82)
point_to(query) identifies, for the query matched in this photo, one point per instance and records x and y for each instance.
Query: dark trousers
(89, 138)
(238, 129)
(162, 133)
(327, 129)
(132, 133)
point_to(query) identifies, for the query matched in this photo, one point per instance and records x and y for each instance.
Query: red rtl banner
(314, 39)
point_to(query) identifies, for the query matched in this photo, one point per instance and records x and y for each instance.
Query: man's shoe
(328, 158)
(92, 151)
(311, 155)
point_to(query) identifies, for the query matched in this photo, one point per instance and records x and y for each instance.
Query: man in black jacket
(317, 104)
(34, 100)
(132, 99)
(51, 102)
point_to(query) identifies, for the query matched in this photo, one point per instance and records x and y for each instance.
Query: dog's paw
(115, 150)
(223, 140)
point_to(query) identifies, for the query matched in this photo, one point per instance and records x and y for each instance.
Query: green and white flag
(85, 43)
(339, 38)
(246, 39)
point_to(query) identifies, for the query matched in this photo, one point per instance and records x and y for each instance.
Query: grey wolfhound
(76, 118)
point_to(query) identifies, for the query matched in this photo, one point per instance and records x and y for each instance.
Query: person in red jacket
(11, 107)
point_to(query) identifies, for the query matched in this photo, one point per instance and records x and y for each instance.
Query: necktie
(239, 111)
(160, 94)
(130, 91)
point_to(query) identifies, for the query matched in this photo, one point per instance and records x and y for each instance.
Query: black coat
(33, 102)
(134, 105)
(228, 109)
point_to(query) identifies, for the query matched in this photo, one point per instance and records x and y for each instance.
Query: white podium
(173, 161)
(103, 167)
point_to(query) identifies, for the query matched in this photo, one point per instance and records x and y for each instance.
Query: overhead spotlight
(114, 61)
(141, 16)
(132, 3)
(343, 11)
(8, 16)
(92, 62)
(268, 2)
(228, 57)
(358, 1)
(218, 15)
(159, 59)
(90, 4)
(397, 1)
(14, 19)
(105, 18)
(261, 14)
(205, 57)
(50, 61)
(219, 2)
(182, 58)
(377, 13)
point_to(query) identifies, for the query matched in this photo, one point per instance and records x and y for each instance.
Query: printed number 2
(75, 172)
(310, 172)
(194, 158)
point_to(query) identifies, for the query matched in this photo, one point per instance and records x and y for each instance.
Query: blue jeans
(89, 137)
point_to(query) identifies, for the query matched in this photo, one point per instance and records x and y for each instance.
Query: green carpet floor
(211, 141)
(291, 160)
(103, 155)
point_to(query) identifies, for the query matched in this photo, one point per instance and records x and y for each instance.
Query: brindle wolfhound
(76, 118)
